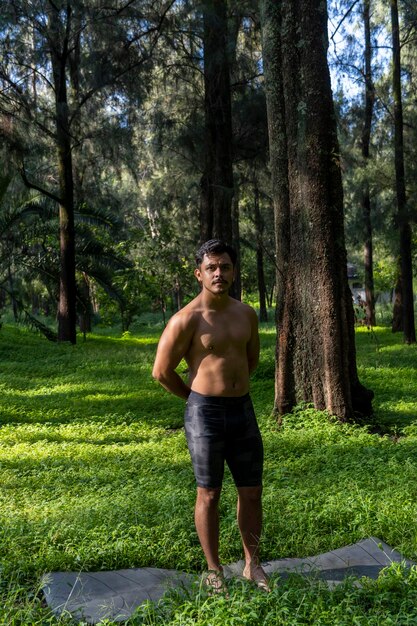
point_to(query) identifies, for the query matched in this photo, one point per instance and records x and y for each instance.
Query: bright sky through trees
(346, 44)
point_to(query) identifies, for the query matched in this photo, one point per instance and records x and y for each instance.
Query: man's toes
(257, 575)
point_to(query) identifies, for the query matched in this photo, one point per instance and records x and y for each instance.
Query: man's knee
(208, 496)
(250, 494)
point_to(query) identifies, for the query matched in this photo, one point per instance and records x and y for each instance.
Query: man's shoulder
(244, 308)
(187, 315)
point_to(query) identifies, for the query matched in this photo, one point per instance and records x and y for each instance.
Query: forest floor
(95, 475)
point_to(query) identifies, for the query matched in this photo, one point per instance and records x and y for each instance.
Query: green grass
(95, 474)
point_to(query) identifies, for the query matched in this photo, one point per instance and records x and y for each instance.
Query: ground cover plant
(95, 475)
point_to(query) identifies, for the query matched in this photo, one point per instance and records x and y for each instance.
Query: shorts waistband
(219, 400)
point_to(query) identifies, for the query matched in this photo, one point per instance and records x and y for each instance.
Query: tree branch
(129, 68)
(348, 12)
(31, 185)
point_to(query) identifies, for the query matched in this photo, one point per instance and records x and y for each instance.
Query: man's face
(216, 273)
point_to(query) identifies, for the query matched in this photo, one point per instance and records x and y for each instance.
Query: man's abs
(221, 377)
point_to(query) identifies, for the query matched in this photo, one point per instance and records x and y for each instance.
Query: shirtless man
(218, 338)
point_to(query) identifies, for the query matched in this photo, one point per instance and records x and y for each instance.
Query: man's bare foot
(256, 574)
(214, 581)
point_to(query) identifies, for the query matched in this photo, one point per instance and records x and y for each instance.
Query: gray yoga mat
(115, 595)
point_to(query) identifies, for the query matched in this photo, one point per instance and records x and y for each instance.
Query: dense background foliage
(135, 100)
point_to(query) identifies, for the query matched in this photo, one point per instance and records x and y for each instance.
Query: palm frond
(33, 322)
(97, 216)
(105, 281)
(10, 217)
(30, 320)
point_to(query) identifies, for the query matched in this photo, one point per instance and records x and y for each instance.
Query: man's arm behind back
(173, 346)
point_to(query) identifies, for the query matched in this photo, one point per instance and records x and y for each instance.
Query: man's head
(215, 247)
(215, 270)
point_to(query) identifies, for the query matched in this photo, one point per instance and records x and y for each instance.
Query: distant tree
(404, 305)
(29, 254)
(58, 60)
(365, 144)
(271, 20)
(57, 35)
(316, 355)
(356, 60)
(259, 225)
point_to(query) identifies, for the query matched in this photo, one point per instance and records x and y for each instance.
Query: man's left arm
(252, 348)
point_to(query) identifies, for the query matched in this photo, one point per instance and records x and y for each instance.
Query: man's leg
(249, 517)
(207, 524)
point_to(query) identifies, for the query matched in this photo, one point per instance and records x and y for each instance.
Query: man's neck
(214, 301)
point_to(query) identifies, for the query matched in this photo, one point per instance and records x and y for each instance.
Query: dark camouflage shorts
(222, 429)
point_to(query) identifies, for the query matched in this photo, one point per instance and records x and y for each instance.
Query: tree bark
(366, 199)
(59, 35)
(217, 181)
(403, 220)
(316, 355)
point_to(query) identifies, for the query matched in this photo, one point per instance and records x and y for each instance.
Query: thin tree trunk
(270, 296)
(86, 309)
(285, 394)
(67, 289)
(74, 61)
(263, 313)
(366, 200)
(12, 298)
(237, 285)
(397, 314)
(402, 214)
(368, 258)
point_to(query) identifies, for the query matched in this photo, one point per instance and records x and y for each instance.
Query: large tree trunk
(316, 355)
(406, 269)
(59, 35)
(217, 180)
(366, 199)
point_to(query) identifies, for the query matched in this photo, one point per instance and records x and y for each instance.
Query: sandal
(214, 581)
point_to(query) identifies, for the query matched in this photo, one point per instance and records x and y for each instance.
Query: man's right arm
(173, 346)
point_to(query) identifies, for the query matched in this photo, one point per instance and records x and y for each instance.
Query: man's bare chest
(221, 334)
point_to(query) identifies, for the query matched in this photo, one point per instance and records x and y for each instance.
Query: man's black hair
(215, 246)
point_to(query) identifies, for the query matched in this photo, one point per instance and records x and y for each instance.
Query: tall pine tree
(316, 356)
